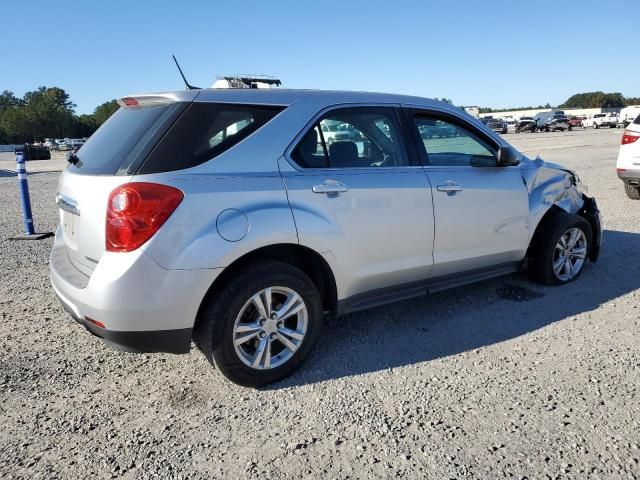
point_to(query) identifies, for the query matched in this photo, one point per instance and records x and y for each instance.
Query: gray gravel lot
(501, 379)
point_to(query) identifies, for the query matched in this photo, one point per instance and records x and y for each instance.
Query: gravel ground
(501, 379)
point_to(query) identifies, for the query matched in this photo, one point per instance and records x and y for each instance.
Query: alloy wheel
(569, 254)
(270, 328)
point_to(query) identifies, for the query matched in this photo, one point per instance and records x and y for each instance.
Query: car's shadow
(466, 318)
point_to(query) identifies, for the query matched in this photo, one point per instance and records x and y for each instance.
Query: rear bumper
(150, 341)
(142, 306)
(629, 175)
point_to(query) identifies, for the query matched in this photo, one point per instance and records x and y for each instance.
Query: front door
(481, 209)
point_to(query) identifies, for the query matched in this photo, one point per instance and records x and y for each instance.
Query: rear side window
(204, 131)
(361, 137)
(125, 139)
(637, 120)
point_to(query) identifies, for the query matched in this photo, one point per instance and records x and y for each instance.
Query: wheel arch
(550, 213)
(304, 258)
(589, 212)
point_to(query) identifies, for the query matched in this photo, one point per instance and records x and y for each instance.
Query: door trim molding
(395, 293)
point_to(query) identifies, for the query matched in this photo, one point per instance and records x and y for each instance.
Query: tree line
(581, 100)
(47, 112)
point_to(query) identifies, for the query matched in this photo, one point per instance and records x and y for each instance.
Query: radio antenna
(189, 87)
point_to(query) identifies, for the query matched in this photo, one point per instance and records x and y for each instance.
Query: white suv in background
(628, 165)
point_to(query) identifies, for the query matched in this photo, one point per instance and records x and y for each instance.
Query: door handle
(450, 188)
(330, 188)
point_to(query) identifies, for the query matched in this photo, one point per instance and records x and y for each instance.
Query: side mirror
(508, 156)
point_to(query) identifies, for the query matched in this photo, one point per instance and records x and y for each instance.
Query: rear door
(364, 202)
(481, 210)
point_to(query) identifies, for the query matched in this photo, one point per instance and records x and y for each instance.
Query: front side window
(353, 138)
(450, 145)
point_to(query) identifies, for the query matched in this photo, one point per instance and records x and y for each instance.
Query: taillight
(130, 102)
(136, 211)
(629, 137)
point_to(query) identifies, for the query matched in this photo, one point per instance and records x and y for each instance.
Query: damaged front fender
(549, 185)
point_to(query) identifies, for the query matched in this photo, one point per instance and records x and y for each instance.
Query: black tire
(595, 125)
(540, 261)
(569, 128)
(214, 336)
(632, 191)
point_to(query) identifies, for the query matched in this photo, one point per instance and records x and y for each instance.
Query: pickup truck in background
(629, 114)
(598, 120)
(498, 125)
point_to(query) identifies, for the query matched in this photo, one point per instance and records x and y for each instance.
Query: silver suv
(225, 217)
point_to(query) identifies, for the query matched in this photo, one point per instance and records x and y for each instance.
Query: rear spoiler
(157, 99)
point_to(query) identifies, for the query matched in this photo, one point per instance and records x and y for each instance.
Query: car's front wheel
(560, 249)
(260, 326)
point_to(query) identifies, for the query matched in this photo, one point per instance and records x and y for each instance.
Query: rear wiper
(72, 158)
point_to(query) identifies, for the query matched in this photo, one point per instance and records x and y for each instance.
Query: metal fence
(9, 148)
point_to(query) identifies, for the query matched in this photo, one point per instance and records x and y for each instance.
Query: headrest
(343, 154)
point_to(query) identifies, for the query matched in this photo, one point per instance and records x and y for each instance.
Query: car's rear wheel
(261, 326)
(632, 191)
(560, 249)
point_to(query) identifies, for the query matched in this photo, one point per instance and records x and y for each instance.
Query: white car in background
(599, 120)
(628, 165)
(63, 144)
(76, 142)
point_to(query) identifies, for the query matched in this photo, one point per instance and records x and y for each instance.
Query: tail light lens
(136, 211)
(629, 137)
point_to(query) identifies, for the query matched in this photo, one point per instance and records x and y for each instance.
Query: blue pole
(24, 193)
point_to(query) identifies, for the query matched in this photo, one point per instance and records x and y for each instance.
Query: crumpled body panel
(549, 184)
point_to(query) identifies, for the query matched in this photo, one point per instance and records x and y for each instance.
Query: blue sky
(497, 54)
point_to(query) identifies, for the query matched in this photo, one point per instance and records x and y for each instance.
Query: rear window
(637, 120)
(204, 131)
(124, 139)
